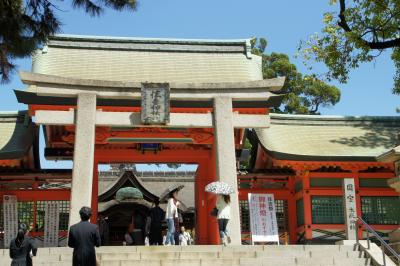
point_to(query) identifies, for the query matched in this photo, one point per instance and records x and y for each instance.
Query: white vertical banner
(10, 215)
(51, 222)
(349, 200)
(263, 224)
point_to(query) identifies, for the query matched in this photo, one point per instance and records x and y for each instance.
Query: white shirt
(224, 209)
(172, 209)
(185, 239)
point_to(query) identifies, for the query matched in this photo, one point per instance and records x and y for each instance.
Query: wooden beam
(384, 175)
(129, 119)
(378, 227)
(374, 192)
(327, 226)
(42, 195)
(163, 156)
(325, 192)
(279, 194)
(345, 165)
(346, 175)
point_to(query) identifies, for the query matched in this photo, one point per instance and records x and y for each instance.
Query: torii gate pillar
(226, 161)
(82, 174)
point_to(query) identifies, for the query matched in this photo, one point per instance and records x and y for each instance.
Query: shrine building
(127, 101)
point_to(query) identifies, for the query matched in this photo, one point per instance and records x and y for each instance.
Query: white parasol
(220, 188)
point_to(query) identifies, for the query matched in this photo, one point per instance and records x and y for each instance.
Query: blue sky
(284, 23)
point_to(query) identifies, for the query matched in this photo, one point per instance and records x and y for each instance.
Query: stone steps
(299, 255)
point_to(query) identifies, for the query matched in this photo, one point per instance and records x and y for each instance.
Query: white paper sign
(349, 193)
(10, 215)
(263, 224)
(51, 222)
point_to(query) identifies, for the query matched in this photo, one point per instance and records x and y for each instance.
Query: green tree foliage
(356, 33)
(26, 24)
(305, 94)
(246, 145)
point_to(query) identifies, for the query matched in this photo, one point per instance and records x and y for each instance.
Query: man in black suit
(157, 215)
(83, 237)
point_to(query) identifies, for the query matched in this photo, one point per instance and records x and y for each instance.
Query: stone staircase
(310, 255)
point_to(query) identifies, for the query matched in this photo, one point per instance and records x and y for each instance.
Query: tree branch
(343, 22)
(374, 44)
(383, 45)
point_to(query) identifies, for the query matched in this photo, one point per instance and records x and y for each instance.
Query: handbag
(214, 212)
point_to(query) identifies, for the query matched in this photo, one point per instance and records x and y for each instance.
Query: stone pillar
(226, 159)
(82, 174)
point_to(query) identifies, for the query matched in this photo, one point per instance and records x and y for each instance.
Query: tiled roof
(305, 137)
(126, 178)
(151, 60)
(17, 134)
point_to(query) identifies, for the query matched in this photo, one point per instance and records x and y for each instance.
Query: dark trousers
(176, 237)
(29, 260)
(177, 231)
(104, 240)
(222, 223)
(155, 237)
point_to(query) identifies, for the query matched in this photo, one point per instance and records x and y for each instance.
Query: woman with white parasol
(223, 207)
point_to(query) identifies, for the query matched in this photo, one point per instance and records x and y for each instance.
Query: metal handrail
(384, 245)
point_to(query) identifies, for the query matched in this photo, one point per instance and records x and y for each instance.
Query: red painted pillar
(260, 159)
(213, 232)
(292, 219)
(307, 206)
(201, 203)
(35, 186)
(206, 225)
(95, 191)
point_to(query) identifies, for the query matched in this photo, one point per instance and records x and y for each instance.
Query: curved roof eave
(328, 138)
(126, 176)
(17, 135)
